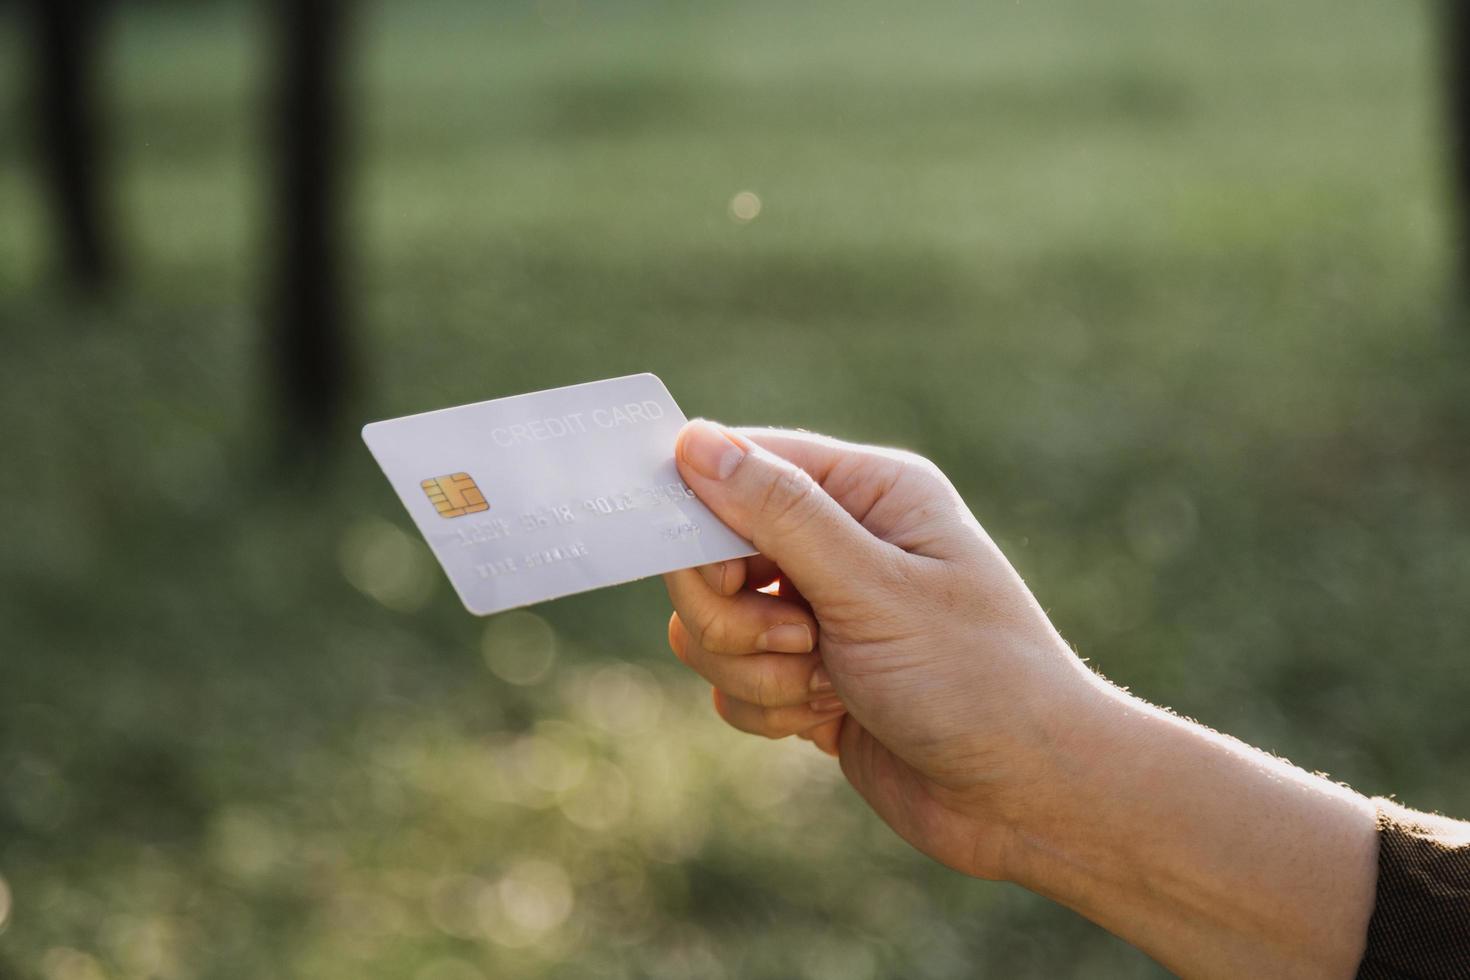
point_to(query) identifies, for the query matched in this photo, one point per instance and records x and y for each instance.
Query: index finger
(821, 456)
(736, 624)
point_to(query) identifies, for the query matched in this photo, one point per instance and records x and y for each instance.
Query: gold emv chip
(455, 495)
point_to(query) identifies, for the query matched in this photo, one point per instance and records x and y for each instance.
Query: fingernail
(786, 638)
(824, 705)
(821, 680)
(707, 449)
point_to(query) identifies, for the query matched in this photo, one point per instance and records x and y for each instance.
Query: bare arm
(1214, 858)
(911, 650)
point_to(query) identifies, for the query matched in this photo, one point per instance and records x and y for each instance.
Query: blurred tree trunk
(311, 352)
(67, 40)
(1456, 22)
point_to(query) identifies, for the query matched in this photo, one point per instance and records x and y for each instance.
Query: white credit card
(537, 496)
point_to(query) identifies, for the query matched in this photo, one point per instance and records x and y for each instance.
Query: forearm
(1214, 858)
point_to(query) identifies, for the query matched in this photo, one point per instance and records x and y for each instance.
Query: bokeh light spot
(386, 563)
(5, 903)
(532, 900)
(765, 775)
(145, 946)
(519, 647)
(550, 763)
(65, 963)
(537, 895)
(623, 699)
(745, 207)
(247, 844)
(601, 800)
(452, 905)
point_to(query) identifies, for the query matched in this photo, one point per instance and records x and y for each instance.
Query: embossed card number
(537, 496)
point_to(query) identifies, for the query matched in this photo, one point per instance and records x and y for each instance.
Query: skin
(881, 623)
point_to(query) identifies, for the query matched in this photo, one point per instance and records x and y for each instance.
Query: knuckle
(776, 683)
(917, 462)
(789, 498)
(923, 470)
(760, 688)
(716, 634)
(768, 689)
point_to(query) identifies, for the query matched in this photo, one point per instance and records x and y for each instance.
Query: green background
(1164, 286)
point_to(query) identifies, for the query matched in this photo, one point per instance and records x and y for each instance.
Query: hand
(897, 636)
(972, 729)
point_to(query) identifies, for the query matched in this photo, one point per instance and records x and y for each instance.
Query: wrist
(998, 763)
(1082, 719)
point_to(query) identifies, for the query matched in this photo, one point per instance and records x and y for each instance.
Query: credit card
(538, 496)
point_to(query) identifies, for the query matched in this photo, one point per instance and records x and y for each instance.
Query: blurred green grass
(1162, 286)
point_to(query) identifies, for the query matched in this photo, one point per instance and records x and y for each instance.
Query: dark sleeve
(1421, 917)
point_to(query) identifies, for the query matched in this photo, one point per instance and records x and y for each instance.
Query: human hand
(897, 636)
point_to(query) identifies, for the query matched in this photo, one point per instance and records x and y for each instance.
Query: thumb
(779, 508)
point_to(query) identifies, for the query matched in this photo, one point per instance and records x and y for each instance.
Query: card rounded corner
(474, 610)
